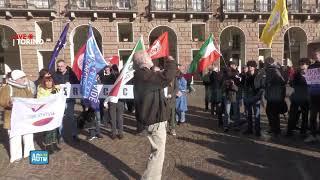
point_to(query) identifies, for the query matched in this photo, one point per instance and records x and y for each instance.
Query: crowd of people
(227, 90)
(157, 112)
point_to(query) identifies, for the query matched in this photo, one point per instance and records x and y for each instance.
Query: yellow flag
(277, 19)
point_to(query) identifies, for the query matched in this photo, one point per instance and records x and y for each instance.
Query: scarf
(15, 84)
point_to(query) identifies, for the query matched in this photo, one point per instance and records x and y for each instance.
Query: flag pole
(289, 39)
(224, 62)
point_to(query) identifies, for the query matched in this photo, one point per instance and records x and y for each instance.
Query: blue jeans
(180, 116)
(69, 115)
(95, 131)
(235, 111)
(253, 109)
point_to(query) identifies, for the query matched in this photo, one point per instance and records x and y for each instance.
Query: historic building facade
(236, 25)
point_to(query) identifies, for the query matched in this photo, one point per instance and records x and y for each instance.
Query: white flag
(37, 115)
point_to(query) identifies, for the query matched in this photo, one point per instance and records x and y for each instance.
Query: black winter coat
(69, 76)
(150, 103)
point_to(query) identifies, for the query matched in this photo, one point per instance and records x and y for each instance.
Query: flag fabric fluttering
(113, 60)
(60, 44)
(126, 74)
(78, 62)
(160, 47)
(93, 62)
(205, 57)
(277, 19)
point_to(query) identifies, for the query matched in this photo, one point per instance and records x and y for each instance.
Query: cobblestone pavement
(200, 151)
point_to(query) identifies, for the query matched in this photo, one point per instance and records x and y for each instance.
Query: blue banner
(93, 62)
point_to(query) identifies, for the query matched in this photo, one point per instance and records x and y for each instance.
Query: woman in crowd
(116, 109)
(181, 101)
(47, 88)
(299, 99)
(16, 87)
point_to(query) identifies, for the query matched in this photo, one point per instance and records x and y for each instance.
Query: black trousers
(273, 115)
(314, 115)
(116, 115)
(294, 116)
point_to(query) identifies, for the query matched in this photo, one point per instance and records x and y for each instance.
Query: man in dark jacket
(251, 98)
(230, 88)
(151, 107)
(65, 75)
(275, 92)
(299, 98)
(207, 88)
(314, 91)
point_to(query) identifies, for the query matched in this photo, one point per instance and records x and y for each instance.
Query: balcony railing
(28, 4)
(242, 6)
(2, 3)
(102, 4)
(181, 5)
(40, 4)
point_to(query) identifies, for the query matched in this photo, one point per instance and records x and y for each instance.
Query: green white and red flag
(206, 56)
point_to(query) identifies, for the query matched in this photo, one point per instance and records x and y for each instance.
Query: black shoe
(258, 134)
(60, 140)
(55, 147)
(99, 136)
(75, 139)
(49, 148)
(143, 133)
(289, 134)
(120, 136)
(113, 136)
(247, 132)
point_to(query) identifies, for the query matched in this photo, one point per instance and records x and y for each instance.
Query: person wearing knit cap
(16, 87)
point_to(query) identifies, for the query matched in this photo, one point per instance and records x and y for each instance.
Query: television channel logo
(38, 157)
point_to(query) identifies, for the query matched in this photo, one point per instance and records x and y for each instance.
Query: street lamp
(4, 42)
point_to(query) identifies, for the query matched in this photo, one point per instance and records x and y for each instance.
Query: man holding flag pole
(93, 62)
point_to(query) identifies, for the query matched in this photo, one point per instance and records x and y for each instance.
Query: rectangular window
(261, 26)
(198, 32)
(44, 31)
(2, 3)
(231, 5)
(197, 5)
(195, 53)
(123, 4)
(83, 4)
(264, 53)
(160, 4)
(125, 32)
(43, 4)
(236, 42)
(294, 5)
(44, 59)
(124, 55)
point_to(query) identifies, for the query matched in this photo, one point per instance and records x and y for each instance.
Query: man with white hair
(152, 106)
(17, 86)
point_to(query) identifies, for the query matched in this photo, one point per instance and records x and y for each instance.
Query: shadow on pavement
(248, 157)
(196, 174)
(114, 165)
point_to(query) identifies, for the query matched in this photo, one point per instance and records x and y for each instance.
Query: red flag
(160, 47)
(77, 63)
(113, 60)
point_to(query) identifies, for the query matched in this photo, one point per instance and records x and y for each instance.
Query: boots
(49, 148)
(55, 147)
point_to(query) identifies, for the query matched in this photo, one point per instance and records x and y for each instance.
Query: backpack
(260, 79)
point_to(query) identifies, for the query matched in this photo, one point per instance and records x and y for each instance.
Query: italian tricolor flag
(126, 75)
(206, 56)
